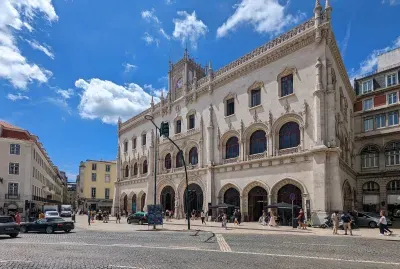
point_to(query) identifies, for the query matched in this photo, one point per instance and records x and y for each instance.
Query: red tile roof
(8, 125)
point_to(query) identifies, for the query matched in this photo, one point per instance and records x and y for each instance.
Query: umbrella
(282, 205)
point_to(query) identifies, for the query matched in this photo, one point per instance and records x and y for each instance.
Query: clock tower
(182, 75)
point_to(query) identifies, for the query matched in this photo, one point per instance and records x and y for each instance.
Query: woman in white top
(272, 221)
(383, 224)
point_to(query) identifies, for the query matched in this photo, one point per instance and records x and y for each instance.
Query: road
(150, 250)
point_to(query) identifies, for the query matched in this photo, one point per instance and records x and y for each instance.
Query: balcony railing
(12, 196)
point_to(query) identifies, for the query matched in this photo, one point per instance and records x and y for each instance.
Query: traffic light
(164, 129)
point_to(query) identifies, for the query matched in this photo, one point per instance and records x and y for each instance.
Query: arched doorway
(232, 197)
(283, 196)
(167, 198)
(393, 198)
(134, 203)
(195, 198)
(125, 207)
(258, 199)
(143, 202)
(347, 197)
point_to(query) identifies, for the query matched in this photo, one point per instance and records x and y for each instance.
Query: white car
(51, 214)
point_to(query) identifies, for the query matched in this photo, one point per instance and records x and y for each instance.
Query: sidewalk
(215, 227)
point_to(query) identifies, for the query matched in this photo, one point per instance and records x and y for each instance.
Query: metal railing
(12, 196)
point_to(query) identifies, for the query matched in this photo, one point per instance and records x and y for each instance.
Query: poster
(155, 216)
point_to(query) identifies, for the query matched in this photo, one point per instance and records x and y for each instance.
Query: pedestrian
(272, 221)
(41, 215)
(18, 218)
(262, 218)
(203, 217)
(335, 221)
(239, 217)
(383, 224)
(300, 220)
(89, 217)
(235, 218)
(347, 223)
(225, 221)
(118, 216)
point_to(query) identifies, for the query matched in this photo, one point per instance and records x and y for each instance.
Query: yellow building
(95, 185)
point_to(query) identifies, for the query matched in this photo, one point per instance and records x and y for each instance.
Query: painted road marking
(5, 261)
(124, 266)
(223, 245)
(213, 250)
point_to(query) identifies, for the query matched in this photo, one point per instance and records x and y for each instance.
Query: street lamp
(164, 131)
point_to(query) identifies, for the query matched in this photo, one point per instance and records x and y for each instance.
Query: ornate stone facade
(279, 133)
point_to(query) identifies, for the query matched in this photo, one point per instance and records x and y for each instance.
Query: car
(138, 217)
(48, 225)
(67, 214)
(51, 214)
(8, 226)
(370, 219)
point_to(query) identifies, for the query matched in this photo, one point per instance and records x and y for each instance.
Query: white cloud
(66, 94)
(105, 100)
(150, 39)
(155, 92)
(43, 48)
(266, 16)
(189, 28)
(164, 34)
(371, 62)
(128, 67)
(169, 2)
(391, 2)
(149, 16)
(60, 102)
(15, 97)
(14, 17)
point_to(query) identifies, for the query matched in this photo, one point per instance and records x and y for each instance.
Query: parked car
(370, 219)
(8, 226)
(48, 225)
(138, 217)
(51, 214)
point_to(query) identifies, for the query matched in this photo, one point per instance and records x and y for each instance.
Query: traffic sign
(292, 197)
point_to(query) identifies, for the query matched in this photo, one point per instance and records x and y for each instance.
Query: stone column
(319, 112)
(331, 110)
(210, 137)
(320, 199)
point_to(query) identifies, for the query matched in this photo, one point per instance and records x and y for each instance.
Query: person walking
(225, 221)
(235, 218)
(272, 221)
(300, 220)
(89, 217)
(18, 218)
(347, 223)
(335, 221)
(262, 218)
(41, 215)
(383, 224)
(239, 217)
(203, 218)
(118, 218)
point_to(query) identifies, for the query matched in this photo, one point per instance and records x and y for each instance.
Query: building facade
(275, 122)
(95, 185)
(377, 136)
(28, 178)
(71, 195)
(64, 180)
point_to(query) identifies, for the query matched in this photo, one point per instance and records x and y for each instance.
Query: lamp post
(165, 132)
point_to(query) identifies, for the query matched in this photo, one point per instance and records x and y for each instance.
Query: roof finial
(152, 101)
(327, 5)
(317, 3)
(186, 55)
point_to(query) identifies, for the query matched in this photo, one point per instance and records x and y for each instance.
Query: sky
(70, 68)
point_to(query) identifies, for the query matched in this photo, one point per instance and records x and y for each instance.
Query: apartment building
(377, 136)
(96, 184)
(28, 177)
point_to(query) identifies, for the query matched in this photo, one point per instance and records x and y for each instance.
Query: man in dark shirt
(347, 223)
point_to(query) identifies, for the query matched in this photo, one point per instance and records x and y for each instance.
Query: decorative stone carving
(256, 85)
(230, 124)
(178, 108)
(286, 106)
(242, 127)
(286, 72)
(210, 120)
(270, 120)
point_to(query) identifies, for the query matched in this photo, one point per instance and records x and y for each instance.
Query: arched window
(126, 174)
(392, 153)
(193, 156)
(135, 169)
(369, 157)
(289, 135)
(144, 168)
(371, 186)
(167, 161)
(393, 185)
(232, 148)
(258, 142)
(178, 161)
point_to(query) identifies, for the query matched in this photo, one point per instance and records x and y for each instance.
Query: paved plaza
(90, 247)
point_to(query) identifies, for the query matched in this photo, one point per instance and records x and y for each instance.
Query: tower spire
(328, 9)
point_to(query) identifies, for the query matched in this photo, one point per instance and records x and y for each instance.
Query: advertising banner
(154, 214)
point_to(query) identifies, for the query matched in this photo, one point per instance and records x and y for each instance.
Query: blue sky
(69, 68)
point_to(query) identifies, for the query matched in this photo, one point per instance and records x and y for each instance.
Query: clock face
(179, 83)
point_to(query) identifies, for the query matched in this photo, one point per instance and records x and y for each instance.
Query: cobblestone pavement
(151, 250)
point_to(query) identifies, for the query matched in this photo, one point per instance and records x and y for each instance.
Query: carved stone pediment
(230, 95)
(287, 71)
(256, 85)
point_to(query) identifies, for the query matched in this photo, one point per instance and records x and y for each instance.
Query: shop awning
(372, 199)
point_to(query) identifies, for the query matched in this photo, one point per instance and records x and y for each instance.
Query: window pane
(367, 104)
(380, 121)
(255, 97)
(230, 107)
(287, 85)
(368, 124)
(178, 126)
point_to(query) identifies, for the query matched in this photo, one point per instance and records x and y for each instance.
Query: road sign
(292, 197)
